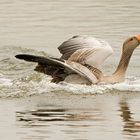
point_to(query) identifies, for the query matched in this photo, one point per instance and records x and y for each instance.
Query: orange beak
(138, 37)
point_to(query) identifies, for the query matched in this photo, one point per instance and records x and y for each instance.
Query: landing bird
(81, 61)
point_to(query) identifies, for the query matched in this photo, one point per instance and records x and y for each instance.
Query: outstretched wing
(45, 64)
(58, 67)
(85, 50)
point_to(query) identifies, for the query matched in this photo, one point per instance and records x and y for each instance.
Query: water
(31, 107)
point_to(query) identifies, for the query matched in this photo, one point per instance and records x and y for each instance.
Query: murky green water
(31, 107)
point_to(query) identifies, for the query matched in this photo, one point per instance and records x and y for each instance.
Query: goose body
(82, 59)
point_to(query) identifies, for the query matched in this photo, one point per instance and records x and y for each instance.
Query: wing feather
(85, 50)
(53, 66)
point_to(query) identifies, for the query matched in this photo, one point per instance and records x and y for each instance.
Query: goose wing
(85, 50)
(58, 67)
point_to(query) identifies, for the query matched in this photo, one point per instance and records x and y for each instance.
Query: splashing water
(36, 84)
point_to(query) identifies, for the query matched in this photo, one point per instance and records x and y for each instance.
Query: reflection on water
(57, 115)
(131, 126)
(80, 122)
(69, 123)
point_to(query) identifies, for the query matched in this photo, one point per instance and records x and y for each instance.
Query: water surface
(31, 107)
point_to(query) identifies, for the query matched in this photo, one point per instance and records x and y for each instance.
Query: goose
(82, 59)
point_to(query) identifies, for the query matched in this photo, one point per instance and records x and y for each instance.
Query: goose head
(131, 43)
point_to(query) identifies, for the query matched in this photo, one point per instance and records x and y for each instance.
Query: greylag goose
(81, 61)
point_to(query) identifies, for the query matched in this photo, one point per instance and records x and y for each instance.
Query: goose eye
(131, 39)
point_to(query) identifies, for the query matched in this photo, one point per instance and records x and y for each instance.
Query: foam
(5, 81)
(25, 87)
(44, 86)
